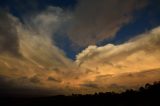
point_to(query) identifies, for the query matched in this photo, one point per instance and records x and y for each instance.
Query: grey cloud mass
(9, 40)
(95, 20)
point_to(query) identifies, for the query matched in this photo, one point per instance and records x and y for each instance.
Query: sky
(52, 47)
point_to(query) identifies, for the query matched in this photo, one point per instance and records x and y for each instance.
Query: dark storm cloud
(95, 20)
(3, 84)
(9, 41)
(53, 79)
(35, 79)
(7, 83)
(116, 86)
(11, 83)
(89, 85)
(20, 87)
(144, 73)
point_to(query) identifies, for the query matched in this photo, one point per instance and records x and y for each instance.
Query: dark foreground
(145, 96)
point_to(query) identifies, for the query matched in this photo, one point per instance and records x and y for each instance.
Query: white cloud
(136, 55)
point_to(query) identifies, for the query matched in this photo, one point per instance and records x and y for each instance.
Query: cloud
(131, 56)
(121, 82)
(119, 67)
(53, 79)
(35, 79)
(36, 39)
(90, 85)
(49, 21)
(44, 67)
(96, 20)
(23, 86)
(9, 41)
(40, 57)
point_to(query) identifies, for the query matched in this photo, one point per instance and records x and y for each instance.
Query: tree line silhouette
(149, 95)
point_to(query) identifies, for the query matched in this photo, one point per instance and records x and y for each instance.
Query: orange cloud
(44, 66)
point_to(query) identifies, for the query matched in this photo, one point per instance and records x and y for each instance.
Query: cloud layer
(9, 41)
(118, 67)
(42, 66)
(131, 56)
(97, 20)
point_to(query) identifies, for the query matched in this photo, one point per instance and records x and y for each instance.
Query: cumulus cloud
(131, 56)
(124, 66)
(96, 20)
